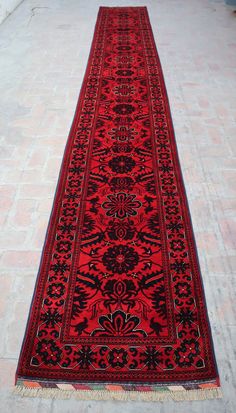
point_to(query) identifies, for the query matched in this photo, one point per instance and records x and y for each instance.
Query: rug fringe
(198, 394)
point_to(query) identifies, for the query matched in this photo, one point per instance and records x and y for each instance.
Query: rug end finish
(115, 392)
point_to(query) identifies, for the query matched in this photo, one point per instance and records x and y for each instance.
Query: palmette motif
(119, 295)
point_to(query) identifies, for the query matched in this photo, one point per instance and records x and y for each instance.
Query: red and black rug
(119, 309)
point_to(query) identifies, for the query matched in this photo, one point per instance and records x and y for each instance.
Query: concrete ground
(44, 48)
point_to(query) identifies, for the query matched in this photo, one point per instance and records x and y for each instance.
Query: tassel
(151, 396)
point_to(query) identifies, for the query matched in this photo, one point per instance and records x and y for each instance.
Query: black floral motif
(121, 292)
(97, 143)
(156, 326)
(81, 326)
(118, 357)
(177, 245)
(69, 212)
(124, 72)
(123, 109)
(80, 301)
(122, 133)
(72, 196)
(151, 357)
(180, 266)
(120, 259)
(151, 187)
(85, 357)
(121, 183)
(60, 267)
(119, 324)
(148, 144)
(56, 290)
(172, 210)
(187, 352)
(122, 147)
(63, 246)
(88, 224)
(159, 301)
(125, 120)
(154, 224)
(92, 187)
(49, 352)
(186, 316)
(76, 169)
(175, 227)
(144, 132)
(121, 205)
(121, 230)
(121, 164)
(51, 317)
(183, 289)
(66, 228)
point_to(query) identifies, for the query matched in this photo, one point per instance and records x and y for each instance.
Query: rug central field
(119, 297)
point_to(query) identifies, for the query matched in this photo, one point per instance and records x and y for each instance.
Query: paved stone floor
(44, 48)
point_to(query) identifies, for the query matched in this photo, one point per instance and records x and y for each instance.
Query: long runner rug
(118, 309)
